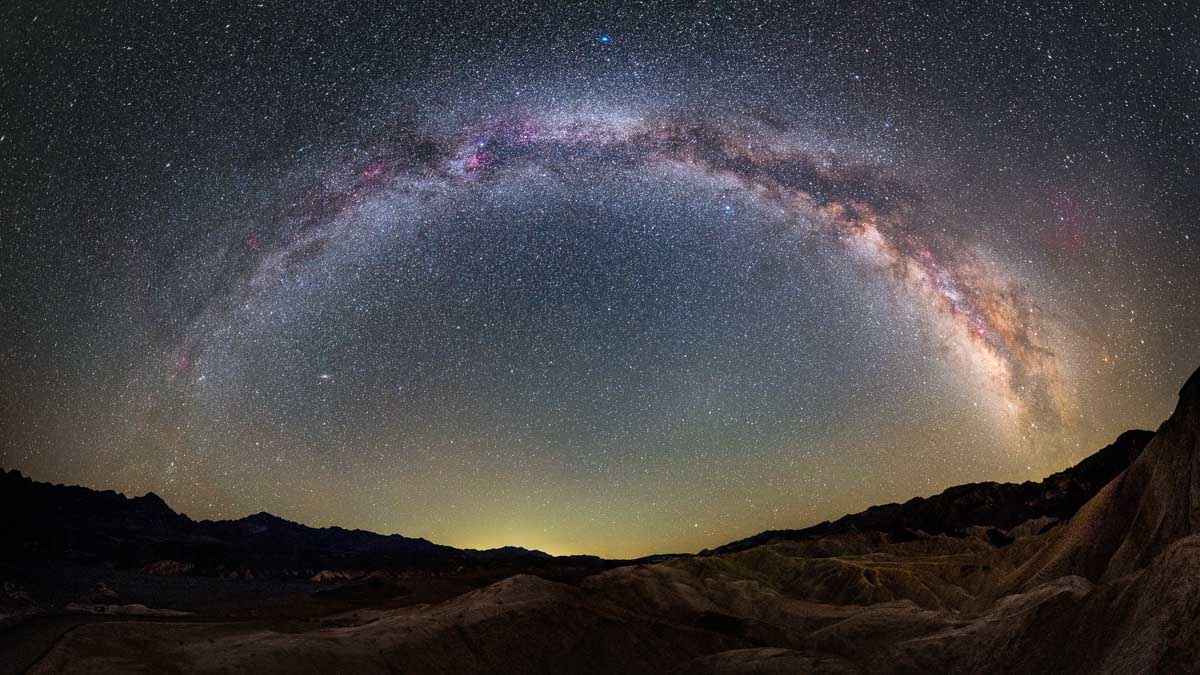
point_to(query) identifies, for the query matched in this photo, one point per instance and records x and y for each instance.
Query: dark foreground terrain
(1095, 569)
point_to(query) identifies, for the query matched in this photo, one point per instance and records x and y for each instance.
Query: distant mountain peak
(264, 518)
(507, 552)
(152, 499)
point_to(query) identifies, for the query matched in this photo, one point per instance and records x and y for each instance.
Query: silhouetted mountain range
(83, 526)
(996, 506)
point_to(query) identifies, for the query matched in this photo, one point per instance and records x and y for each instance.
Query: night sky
(616, 279)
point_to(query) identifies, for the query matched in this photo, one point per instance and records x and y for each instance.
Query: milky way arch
(986, 319)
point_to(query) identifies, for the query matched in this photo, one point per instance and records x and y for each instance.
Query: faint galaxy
(613, 279)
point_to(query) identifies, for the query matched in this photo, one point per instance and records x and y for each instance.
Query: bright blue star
(605, 38)
(727, 208)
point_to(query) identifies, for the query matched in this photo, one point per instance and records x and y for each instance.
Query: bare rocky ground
(1009, 579)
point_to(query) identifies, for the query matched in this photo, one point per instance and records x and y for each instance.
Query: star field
(613, 279)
